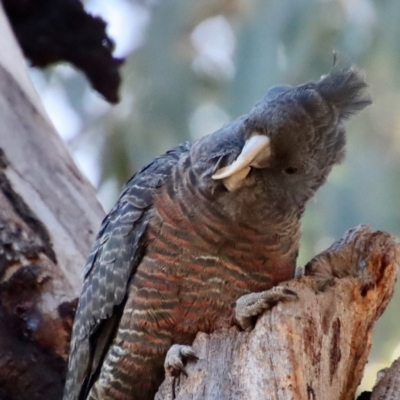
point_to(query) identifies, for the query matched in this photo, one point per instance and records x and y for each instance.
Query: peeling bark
(49, 216)
(315, 348)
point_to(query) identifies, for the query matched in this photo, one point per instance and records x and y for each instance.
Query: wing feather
(111, 264)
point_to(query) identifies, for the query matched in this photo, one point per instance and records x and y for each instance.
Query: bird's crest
(329, 101)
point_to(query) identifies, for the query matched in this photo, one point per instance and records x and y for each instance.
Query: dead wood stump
(312, 349)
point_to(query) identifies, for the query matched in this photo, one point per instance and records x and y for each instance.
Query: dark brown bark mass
(48, 217)
(33, 344)
(54, 31)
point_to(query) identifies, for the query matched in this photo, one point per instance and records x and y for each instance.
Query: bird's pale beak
(256, 149)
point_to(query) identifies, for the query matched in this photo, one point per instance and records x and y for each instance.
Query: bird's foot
(176, 359)
(253, 304)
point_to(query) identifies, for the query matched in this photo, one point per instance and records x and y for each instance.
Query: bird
(202, 236)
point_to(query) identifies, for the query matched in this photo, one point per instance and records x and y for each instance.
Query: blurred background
(193, 66)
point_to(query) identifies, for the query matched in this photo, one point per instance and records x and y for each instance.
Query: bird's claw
(253, 304)
(176, 358)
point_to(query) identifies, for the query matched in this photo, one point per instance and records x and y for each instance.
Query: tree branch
(49, 216)
(315, 348)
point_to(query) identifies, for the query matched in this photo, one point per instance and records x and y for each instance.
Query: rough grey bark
(49, 216)
(314, 348)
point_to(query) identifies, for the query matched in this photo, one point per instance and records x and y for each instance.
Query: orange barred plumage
(180, 247)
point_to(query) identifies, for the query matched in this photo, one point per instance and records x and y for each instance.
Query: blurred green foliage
(203, 63)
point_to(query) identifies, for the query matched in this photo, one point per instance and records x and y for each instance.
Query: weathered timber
(49, 216)
(312, 349)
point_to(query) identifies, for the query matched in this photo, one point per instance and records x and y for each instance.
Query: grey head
(279, 154)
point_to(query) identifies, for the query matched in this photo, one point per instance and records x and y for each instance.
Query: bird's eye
(291, 170)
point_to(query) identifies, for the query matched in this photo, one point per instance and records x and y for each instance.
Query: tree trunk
(49, 216)
(314, 348)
